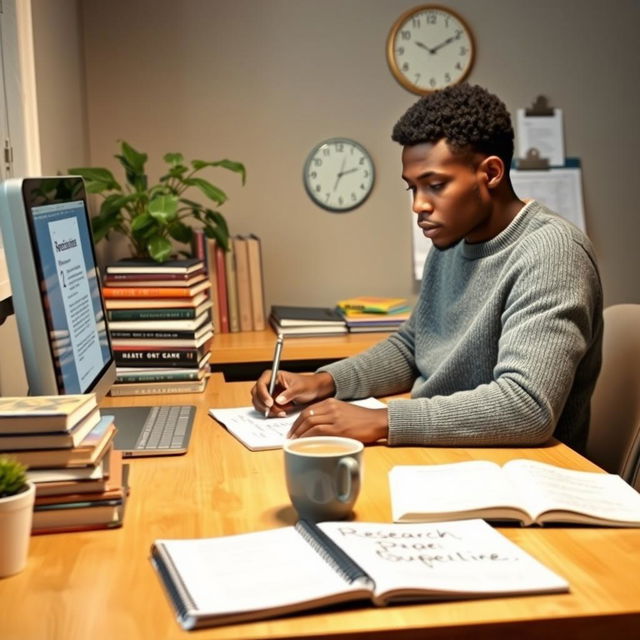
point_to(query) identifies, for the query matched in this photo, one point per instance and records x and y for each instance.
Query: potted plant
(151, 216)
(17, 496)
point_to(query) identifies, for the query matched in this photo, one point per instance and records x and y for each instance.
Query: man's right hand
(292, 390)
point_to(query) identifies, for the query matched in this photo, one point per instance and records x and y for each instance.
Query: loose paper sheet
(559, 189)
(257, 432)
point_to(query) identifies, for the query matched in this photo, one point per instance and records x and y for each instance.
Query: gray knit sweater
(503, 346)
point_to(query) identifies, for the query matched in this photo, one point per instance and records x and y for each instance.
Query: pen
(274, 369)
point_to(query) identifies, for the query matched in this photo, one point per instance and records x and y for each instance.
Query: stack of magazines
(364, 314)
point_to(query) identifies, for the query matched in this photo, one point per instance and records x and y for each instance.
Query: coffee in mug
(323, 476)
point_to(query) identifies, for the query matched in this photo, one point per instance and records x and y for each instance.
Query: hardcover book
(287, 316)
(155, 279)
(150, 357)
(186, 266)
(156, 292)
(256, 283)
(155, 303)
(39, 414)
(158, 326)
(243, 283)
(160, 313)
(88, 453)
(214, 581)
(154, 388)
(52, 440)
(525, 491)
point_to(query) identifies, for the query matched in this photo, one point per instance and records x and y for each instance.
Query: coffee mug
(323, 476)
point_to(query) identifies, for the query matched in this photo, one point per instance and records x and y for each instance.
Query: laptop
(163, 430)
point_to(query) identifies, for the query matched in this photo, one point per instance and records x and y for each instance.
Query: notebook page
(257, 432)
(466, 557)
(252, 572)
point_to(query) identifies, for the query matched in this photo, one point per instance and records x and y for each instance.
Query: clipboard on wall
(542, 172)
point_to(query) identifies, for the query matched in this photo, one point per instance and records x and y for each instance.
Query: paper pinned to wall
(560, 189)
(541, 132)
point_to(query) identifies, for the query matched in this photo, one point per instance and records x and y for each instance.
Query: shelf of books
(67, 446)
(160, 324)
(237, 283)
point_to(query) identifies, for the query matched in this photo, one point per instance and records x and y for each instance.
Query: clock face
(429, 48)
(339, 174)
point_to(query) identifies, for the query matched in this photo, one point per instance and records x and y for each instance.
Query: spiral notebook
(214, 581)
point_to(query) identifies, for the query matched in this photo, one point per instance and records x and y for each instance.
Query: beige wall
(262, 81)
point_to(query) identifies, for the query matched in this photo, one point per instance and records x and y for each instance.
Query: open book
(214, 581)
(523, 490)
(257, 432)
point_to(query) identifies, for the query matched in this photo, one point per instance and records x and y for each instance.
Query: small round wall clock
(339, 174)
(429, 48)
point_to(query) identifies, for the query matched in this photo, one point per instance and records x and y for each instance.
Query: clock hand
(445, 43)
(344, 173)
(424, 46)
(340, 174)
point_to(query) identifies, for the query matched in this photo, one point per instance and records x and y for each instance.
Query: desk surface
(95, 585)
(257, 346)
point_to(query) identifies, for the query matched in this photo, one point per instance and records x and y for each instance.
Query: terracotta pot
(16, 514)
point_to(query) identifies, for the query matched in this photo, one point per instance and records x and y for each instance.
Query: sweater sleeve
(548, 329)
(384, 369)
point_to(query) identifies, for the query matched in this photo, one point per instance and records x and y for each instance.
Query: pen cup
(323, 476)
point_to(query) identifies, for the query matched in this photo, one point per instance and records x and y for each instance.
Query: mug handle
(352, 468)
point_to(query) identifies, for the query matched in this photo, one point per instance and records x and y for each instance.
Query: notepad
(258, 433)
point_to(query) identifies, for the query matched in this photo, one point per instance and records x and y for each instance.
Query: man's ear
(492, 170)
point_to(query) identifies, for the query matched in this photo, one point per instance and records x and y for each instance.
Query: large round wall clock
(429, 48)
(339, 174)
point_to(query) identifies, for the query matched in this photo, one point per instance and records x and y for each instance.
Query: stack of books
(364, 314)
(237, 283)
(306, 321)
(67, 446)
(159, 320)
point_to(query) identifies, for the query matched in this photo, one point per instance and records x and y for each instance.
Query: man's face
(450, 194)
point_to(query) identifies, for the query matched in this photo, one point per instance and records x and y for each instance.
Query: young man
(504, 344)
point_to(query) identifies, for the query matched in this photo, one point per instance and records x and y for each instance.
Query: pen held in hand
(274, 368)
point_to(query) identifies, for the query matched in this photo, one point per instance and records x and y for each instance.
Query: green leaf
(218, 235)
(218, 219)
(173, 158)
(135, 160)
(159, 248)
(176, 171)
(238, 167)
(180, 232)
(113, 204)
(215, 194)
(164, 209)
(141, 222)
(97, 179)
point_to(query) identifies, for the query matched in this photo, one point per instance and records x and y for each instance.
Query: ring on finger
(311, 413)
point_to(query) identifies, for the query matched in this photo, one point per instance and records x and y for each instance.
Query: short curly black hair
(467, 116)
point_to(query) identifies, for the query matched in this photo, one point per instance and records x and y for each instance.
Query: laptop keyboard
(165, 428)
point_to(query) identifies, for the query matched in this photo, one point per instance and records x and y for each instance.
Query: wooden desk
(246, 354)
(100, 585)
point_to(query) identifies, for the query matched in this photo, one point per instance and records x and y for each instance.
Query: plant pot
(16, 514)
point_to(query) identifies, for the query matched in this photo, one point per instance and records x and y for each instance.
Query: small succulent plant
(13, 476)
